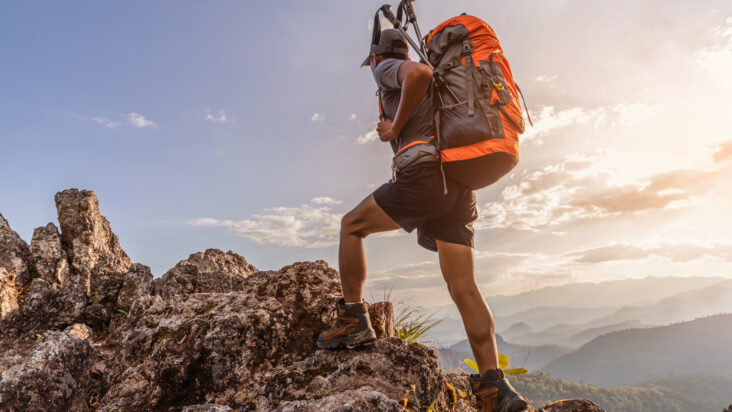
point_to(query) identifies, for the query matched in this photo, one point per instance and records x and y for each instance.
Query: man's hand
(386, 130)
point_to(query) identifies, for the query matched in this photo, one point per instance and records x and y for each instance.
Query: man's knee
(459, 291)
(352, 224)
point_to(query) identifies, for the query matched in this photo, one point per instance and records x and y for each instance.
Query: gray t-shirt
(422, 123)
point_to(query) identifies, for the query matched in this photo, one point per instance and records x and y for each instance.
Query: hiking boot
(493, 393)
(352, 328)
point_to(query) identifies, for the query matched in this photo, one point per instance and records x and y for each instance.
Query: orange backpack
(477, 112)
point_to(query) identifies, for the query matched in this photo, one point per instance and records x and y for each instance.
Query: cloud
(575, 189)
(106, 122)
(306, 226)
(317, 117)
(545, 78)
(221, 118)
(684, 251)
(549, 119)
(495, 273)
(139, 121)
(352, 116)
(371, 136)
(324, 200)
(716, 58)
(723, 152)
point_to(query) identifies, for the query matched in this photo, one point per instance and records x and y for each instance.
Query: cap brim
(366, 62)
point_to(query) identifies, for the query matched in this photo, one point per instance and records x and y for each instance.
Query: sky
(249, 126)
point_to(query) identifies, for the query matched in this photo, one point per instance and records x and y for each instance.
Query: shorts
(416, 200)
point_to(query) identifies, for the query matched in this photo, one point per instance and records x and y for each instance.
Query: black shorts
(416, 200)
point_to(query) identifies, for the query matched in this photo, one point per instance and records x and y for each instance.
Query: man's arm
(414, 78)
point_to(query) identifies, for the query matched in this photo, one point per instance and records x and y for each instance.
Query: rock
(53, 377)
(211, 271)
(8, 292)
(92, 248)
(137, 282)
(390, 366)
(15, 270)
(215, 260)
(213, 334)
(571, 405)
(48, 257)
(362, 399)
(209, 407)
(218, 347)
(79, 330)
(382, 319)
(40, 299)
(728, 409)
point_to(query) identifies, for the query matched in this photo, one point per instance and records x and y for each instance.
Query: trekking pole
(386, 11)
(408, 6)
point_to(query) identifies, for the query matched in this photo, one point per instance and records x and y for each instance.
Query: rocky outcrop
(54, 376)
(210, 271)
(49, 258)
(15, 269)
(91, 331)
(93, 250)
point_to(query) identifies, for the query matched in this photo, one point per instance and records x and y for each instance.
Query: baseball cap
(389, 41)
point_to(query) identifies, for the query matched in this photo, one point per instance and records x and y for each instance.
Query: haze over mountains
(573, 314)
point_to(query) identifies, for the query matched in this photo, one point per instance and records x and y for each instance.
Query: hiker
(419, 196)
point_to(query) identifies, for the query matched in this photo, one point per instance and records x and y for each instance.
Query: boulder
(210, 271)
(92, 249)
(8, 292)
(361, 399)
(15, 268)
(382, 319)
(209, 407)
(53, 377)
(48, 256)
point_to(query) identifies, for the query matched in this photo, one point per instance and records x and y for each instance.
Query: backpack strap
(381, 107)
(528, 116)
(470, 78)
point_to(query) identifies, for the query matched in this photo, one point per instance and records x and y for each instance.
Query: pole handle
(409, 7)
(386, 11)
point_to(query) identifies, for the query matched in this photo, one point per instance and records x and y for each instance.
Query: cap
(389, 41)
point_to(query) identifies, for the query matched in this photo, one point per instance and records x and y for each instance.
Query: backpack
(478, 117)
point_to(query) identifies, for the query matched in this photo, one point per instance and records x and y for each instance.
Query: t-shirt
(422, 123)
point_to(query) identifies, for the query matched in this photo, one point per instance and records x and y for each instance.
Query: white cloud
(545, 78)
(324, 200)
(221, 118)
(371, 136)
(548, 119)
(106, 122)
(139, 121)
(717, 58)
(317, 117)
(305, 226)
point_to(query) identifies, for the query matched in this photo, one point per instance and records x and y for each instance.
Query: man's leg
(456, 262)
(366, 218)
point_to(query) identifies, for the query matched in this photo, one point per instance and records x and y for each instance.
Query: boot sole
(351, 341)
(514, 404)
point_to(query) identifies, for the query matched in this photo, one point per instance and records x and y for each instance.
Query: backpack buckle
(467, 47)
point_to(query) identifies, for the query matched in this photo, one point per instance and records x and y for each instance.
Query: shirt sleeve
(387, 73)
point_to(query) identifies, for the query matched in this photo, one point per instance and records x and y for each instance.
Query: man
(415, 199)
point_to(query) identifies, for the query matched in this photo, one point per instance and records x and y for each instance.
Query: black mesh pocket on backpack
(458, 129)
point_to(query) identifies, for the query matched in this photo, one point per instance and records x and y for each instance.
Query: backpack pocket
(413, 155)
(457, 128)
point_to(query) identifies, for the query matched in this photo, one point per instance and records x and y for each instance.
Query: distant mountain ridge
(573, 314)
(626, 357)
(614, 293)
